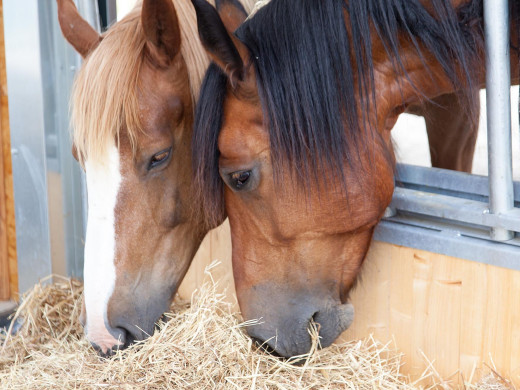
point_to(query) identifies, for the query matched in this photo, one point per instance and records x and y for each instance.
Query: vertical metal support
(90, 12)
(49, 185)
(108, 12)
(111, 12)
(498, 81)
(26, 116)
(62, 64)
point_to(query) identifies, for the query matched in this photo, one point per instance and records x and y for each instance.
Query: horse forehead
(163, 89)
(158, 112)
(174, 76)
(161, 103)
(242, 131)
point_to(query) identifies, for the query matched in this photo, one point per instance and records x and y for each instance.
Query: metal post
(26, 117)
(89, 10)
(111, 12)
(498, 81)
(108, 12)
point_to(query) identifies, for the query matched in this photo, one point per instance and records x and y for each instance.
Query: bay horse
(132, 117)
(292, 140)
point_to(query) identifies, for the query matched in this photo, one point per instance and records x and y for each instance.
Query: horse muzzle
(284, 329)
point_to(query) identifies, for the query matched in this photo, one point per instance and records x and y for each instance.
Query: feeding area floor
(203, 345)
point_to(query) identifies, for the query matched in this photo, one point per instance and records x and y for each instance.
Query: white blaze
(103, 181)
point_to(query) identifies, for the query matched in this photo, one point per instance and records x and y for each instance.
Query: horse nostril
(107, 353)
(109, 344)
(314, 324)
(264, 346)
(129, 338)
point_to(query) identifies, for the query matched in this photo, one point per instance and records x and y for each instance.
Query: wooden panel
(514, 300)
(459, 314)
(8, 263)
(443, 318)
(422, 278)
(464, 314)
(401, 303)
(497, 330)
(473, 315)
(374, 298)
(216, 246)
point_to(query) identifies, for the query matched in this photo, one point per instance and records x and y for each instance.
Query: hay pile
(203, 346)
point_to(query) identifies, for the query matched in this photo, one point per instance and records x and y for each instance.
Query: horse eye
(239, 179)
(159, 158)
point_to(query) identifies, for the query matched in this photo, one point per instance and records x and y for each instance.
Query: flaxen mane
(104, 96)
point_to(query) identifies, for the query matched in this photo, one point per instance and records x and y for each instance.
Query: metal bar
(108, 13)
(453, 208)
(90, 11)
(448, 182)
(450, 243)
(498, 81)
(111, 12)
(26, 117)
(439, 224)
(64, 62)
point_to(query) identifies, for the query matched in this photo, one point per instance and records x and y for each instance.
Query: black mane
(305, 61)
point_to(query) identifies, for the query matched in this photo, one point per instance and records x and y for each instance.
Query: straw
(203, 346)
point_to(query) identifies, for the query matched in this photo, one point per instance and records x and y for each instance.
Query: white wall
(123, 7)
(411, 143)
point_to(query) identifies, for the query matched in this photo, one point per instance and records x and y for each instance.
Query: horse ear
(75, 29)
(161, 28)
(232, 14)
(217, 40)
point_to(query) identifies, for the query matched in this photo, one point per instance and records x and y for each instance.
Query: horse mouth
(265, 347)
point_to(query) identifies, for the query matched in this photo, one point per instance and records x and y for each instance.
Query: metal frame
(40, 71)
(62, 63)
(458, 214)
(447, 212)
(498, 82)
(26, 115)
(108, 12)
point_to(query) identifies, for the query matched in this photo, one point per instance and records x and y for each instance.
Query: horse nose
(332, 322)
(125, 334)
(127, 318)
(132, 333)
(288, 335)
(107, 344)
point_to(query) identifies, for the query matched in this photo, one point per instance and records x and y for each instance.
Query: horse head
(132, 117)
(293, 136)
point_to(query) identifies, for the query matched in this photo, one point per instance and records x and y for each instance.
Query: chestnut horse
(132, 117)
(292, 136)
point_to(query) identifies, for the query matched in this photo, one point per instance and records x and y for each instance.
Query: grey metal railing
(49, 189)
(498, 81)
(455, 213)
